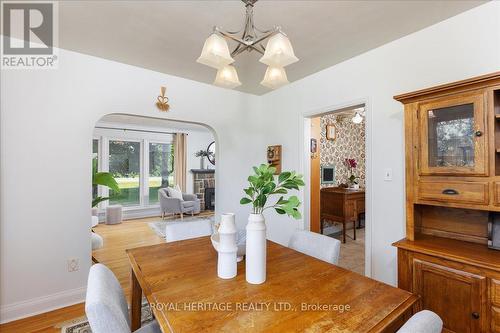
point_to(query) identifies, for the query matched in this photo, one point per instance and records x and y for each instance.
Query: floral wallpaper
(349, 143)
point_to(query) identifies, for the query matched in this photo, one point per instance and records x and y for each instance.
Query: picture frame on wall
(331, 132)
(314, 146)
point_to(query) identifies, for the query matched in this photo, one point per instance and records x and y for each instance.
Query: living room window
(161, 168)
(125, 166)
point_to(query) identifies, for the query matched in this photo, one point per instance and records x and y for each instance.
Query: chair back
(105, 304)
(177, 231)
(423, 322)
(316, 245)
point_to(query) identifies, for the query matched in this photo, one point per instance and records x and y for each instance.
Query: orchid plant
(351, 165)
(264, 184)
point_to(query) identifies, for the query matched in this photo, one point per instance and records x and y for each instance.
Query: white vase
(226, 262)
(202, 162)
(255, 261)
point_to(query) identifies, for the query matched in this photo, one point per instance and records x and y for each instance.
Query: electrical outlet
(73, 265)
(388, 175)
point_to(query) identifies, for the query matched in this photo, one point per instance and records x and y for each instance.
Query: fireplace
(204, 187)
(209, 198)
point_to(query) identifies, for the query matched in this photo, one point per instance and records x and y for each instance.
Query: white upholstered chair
(105, 304)
(423, 322)
(316, 245)
(177, 231)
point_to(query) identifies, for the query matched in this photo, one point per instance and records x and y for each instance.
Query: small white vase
(226, 262)
(355, 186)
(255, 261)
(202, 162)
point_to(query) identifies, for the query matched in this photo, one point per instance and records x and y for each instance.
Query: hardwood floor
(117, 238)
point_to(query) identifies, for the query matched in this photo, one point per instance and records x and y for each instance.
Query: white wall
(458, 48)
(46, 128)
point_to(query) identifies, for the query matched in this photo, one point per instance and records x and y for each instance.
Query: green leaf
(97, 200)
(105, 179)
(282, 201)
(245, 201)
(296, 214)
(279, 211)
(284, 176)
(280, 191)
(249, 191)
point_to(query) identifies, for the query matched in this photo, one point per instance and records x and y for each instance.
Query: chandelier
(277, 54)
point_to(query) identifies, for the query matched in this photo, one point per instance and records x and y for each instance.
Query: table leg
(135, 303)
(354, 228)
(343, 231)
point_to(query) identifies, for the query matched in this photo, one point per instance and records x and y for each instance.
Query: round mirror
(211, 152)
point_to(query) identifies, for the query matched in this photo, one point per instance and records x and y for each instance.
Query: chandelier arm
(245, 47)
(236, 39)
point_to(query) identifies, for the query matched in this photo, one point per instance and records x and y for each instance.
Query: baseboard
(40, 305)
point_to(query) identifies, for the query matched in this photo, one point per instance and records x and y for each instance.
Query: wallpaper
(349, 143)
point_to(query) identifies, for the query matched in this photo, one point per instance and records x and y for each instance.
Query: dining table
(300, 294)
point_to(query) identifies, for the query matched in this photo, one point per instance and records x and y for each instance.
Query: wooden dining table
(300, 294)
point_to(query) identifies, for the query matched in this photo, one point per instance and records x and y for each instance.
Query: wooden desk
(182, 277)
(341, 205)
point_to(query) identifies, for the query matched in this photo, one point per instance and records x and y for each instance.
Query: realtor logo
(29, 35)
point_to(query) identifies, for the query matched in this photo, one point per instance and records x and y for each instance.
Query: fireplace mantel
(195, 171)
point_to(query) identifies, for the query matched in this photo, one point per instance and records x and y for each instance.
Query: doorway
(337, 161)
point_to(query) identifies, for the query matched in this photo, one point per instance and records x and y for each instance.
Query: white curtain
(180, 160)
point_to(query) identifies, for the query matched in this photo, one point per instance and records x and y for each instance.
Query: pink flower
(351, 163)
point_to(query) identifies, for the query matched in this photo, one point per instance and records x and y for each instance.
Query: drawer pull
(478, 133)
(450, 191)
(475, 315)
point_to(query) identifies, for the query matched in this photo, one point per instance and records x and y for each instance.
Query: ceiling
(134, 122)
(167, 36)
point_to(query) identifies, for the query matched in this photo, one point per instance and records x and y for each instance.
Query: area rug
(81, 324)
(159, 226)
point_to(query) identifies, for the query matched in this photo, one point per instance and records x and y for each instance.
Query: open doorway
(338, 181)
(164, 172)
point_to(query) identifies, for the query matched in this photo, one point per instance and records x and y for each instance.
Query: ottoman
(114, 214)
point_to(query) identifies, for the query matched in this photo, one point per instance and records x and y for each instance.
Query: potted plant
(202, 154)
(353, 180)
(103, 179)
(262, 185)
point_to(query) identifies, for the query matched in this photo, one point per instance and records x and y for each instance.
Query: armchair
(169, 205)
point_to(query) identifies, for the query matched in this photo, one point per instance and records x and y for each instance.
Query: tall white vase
(255, 260)
(226, 263)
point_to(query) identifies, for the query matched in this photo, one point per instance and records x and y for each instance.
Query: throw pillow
(175, 192)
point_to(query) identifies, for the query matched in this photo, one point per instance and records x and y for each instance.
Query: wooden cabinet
(453, 136)
(458, 297)
(341, 205)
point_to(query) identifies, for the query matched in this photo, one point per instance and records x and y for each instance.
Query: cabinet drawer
(495, 319)
(461, 192)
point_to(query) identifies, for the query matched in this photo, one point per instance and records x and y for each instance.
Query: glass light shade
(279, 52)
(227, 77)
(275, 77)
(215, 52)
(357, 119)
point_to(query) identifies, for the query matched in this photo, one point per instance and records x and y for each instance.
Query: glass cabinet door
(452, 136)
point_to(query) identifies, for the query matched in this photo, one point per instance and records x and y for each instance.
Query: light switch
(388, 175)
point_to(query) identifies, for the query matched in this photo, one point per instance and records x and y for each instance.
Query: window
(125, 166)
(161, 167)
